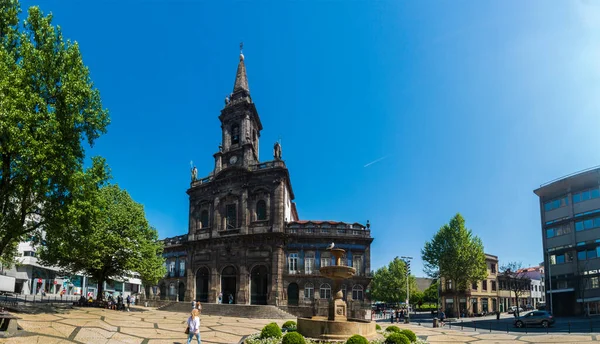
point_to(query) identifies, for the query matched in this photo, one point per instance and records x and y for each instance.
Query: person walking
(194, 326)
(128, 302)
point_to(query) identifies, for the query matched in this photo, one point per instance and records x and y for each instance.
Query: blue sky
(471, 105)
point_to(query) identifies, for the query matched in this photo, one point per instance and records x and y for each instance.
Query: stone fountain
(336, 326)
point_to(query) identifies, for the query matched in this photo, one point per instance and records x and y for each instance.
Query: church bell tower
(240, 126)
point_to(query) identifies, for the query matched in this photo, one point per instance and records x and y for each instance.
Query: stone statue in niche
(277, 151)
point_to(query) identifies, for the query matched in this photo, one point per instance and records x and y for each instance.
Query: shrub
(392, 329)
(357, 339)
(270, 331)
(397, 338)
(377, 327)
(289, 324)
(293, 338)
(410, 335)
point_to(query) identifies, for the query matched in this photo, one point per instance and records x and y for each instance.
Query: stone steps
(226, 310)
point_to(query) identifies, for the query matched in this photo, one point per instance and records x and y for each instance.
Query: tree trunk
(100, 296)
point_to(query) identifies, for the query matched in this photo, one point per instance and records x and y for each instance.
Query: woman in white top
(194, 325)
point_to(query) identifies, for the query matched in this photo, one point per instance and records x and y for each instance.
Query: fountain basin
(337, 271)
(322, 328)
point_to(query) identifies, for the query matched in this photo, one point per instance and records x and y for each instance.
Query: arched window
(261, 210)
(235, 134)
(325, 291)
(204, 218)
(357, 292)
(309, 291)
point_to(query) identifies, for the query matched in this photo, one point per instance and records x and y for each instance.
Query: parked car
(541, 318)
(512, 309)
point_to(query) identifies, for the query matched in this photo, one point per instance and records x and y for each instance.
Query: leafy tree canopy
(431, 293)
(389, 282)
(108, 238)
(48, 108)
(455, 254)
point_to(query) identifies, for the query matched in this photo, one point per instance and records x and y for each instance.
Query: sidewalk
(447, 336)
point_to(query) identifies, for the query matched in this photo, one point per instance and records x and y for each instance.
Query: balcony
(257, 167)
(335, 232)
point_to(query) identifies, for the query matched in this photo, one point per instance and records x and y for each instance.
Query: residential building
(570, 226)
(477, 298)
(245, 241)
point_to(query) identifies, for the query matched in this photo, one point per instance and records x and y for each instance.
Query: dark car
(541, 318)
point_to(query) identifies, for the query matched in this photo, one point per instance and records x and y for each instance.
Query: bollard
(569, 326)
(461, 325)
(475, 325)
(547, 327)
(506, 328)
(591, 327)
(490, 328)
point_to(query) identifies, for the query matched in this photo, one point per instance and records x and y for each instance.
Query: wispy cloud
(375, 161)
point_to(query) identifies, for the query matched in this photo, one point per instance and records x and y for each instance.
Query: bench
(8, 324)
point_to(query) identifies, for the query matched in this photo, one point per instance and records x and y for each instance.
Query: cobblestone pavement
(94, 325)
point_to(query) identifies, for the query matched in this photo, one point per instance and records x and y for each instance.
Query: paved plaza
(95, 325)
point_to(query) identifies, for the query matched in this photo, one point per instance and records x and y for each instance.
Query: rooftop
(581, 179)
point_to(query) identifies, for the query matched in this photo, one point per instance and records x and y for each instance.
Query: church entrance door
(258, 285)
(228, 284)
(202, 279)
(293, 294)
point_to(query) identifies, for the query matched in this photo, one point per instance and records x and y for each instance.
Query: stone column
(215, 285)
(278, 264)
(243, 290)
(244, 210)
(190, 291)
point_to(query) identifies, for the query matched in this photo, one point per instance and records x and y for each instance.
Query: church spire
(241, 80)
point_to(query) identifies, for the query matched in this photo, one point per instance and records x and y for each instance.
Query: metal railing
(570, 175)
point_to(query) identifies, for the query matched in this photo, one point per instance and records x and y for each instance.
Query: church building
(245, 242)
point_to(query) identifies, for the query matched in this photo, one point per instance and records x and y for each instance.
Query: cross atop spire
(241, 80)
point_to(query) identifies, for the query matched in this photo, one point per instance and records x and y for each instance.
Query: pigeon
(330, 246)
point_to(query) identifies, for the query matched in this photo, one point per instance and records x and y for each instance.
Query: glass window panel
(565, 201)
(552, 259)
(587, 224)
(597, 222)
(548, 206)
(579, 226)
(556, 204)
(585, 195)
(591, 254)
(595, 193)
(560, 259)
(576, 198)
(549, 232)
(581, 255)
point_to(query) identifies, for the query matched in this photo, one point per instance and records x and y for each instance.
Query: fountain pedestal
(336, 326)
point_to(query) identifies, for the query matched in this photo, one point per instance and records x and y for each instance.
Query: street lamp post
(407, 262)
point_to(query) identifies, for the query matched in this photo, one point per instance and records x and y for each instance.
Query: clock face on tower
(233, 160)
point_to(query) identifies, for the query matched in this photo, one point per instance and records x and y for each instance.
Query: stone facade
(245, 241)
(478, 298)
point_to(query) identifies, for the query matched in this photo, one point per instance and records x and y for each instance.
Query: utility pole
(407, 262)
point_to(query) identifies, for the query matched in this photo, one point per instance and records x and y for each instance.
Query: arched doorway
(228, 284)
(163, 291)
(258, 285)
(202, 279)
(181, 291)
(293, 294)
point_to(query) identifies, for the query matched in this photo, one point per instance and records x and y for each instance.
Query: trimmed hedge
(377, 327)
(397, 338)
(410, 335)
(289, 324)
(271, 330)
(293, 338)
(357, 339)
(392, 328)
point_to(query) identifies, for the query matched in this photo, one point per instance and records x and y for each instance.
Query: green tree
(48, 108)
(456, 255)
(416, 296)
(110, 238)
(389, 282)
